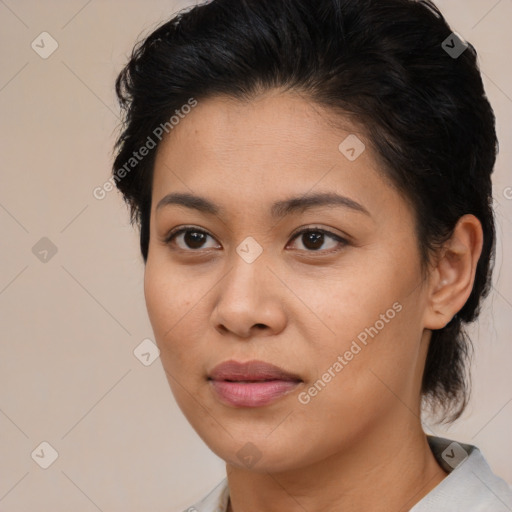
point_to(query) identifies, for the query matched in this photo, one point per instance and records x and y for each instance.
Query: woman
(312, 183)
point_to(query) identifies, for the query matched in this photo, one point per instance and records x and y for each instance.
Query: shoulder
(470, 485)
(215, 501)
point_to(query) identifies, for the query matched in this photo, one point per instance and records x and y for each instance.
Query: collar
(470, 486)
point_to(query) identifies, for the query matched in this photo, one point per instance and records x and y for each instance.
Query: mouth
(251, 371)
(251, 384)
(249, 380)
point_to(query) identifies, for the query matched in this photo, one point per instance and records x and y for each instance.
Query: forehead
(278, 145)
(286, 122)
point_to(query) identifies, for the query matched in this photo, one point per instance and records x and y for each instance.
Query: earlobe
(451, 280)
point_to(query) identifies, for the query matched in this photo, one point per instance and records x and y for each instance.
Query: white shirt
(470, 486)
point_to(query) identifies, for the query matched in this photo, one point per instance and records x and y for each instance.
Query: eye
(193, 238)
(312, 239)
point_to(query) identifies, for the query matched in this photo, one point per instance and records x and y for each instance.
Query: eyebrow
(278, 210)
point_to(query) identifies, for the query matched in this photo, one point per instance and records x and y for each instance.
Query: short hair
(381, 62)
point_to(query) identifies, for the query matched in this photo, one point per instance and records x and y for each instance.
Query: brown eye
(192, 238)
(313, 239)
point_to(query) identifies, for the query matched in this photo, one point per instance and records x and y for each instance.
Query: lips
(250, 371)
(251, 384)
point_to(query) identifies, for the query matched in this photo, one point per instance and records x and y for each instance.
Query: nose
(249, 301)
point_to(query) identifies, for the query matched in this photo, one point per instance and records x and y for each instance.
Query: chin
(259, 455)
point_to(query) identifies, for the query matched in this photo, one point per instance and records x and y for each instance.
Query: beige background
(68, 373)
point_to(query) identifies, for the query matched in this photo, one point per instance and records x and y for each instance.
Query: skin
(358, 444)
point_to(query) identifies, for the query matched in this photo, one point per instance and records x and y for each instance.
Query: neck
(382, 473)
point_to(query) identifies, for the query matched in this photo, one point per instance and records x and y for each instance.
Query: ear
(451, 280)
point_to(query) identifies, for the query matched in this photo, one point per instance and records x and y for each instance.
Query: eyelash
(342, 241)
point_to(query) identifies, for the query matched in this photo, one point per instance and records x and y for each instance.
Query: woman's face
(339, 308)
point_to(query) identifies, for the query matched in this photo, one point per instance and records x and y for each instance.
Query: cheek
(170, 311)
(372, 349)
(349, 405)
(159, 299)
(169, 297)
(167, 310)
